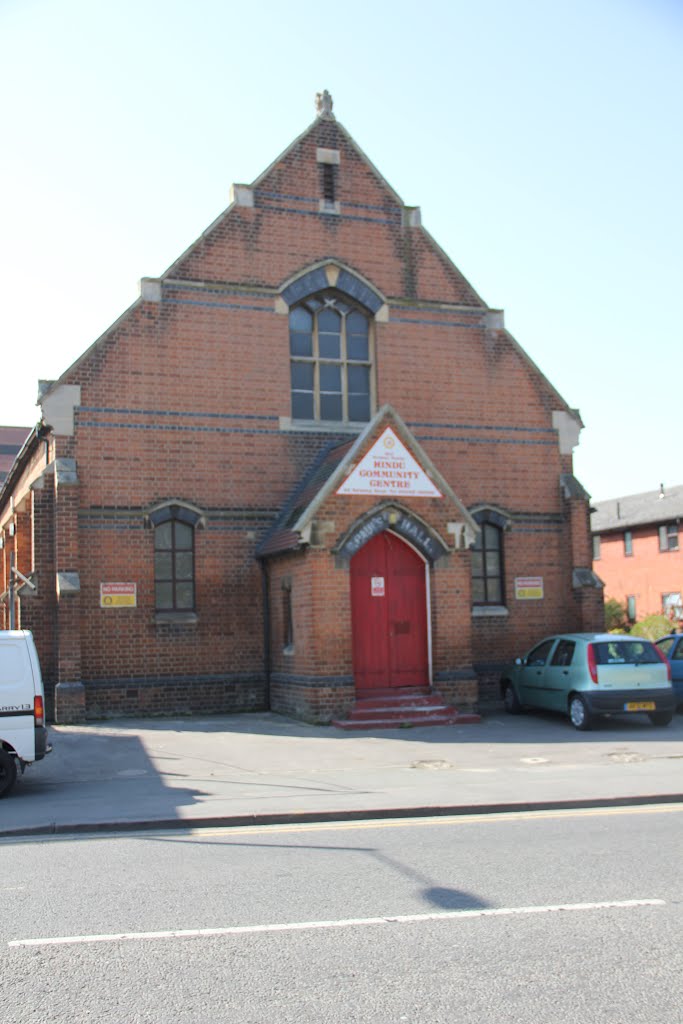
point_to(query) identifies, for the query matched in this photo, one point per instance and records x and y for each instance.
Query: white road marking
(352, 922)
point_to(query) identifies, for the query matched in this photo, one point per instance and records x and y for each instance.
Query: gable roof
(327, 133)
(12, 440)
(329, 471)
(283, 536)
(324, 130)
(650, 507)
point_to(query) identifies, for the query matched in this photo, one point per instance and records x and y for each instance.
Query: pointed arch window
(174, 557)
(331, 351)
(488, 578)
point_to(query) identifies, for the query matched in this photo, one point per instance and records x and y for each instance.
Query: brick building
(637, 554)
(308, 464)
(11, 441)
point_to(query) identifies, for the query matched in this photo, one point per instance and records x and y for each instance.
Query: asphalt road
(541, 917)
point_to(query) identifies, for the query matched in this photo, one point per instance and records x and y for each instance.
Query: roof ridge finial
(323, 104)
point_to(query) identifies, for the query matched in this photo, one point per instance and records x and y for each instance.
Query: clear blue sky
(541, 139)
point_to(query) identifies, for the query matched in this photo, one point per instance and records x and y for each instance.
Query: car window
(678, 653)
(665, 645)
(625, 652)
(564, 653)
(539, 655)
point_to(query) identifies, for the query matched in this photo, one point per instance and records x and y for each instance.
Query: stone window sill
(489, 611)
(176, 618)
(321, 426)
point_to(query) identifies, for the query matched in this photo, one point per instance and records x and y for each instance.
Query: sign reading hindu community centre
(118, 595)
(388, 468)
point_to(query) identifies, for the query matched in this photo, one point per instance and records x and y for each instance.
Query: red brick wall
(182, 400)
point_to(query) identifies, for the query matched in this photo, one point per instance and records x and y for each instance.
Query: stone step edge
(464, 718)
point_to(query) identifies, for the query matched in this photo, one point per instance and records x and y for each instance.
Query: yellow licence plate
(642, 705)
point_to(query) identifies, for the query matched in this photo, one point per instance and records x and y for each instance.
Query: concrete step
(415, 700)
(405, 711)
(407, 722)
(387, 710)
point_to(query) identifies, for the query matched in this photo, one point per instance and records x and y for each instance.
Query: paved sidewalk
(261, 767)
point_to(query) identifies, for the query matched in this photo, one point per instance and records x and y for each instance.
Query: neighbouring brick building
(637, 554)
(309, 463)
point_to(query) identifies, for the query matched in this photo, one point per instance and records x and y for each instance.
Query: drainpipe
(11, 591)
(265, 592)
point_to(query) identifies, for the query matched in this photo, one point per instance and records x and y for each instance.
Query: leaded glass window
(487, 566)
(174, 566)
(330, 343)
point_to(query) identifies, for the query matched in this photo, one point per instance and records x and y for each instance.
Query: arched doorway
(389, 615)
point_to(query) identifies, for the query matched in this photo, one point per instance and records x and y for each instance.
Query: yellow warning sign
(528, 588)
(118, 595)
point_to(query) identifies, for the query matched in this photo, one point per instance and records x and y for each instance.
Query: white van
(23, 736)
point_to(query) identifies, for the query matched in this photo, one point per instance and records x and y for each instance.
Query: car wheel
(8, 771)
(661, 718)
(510, 700)
(579, 714)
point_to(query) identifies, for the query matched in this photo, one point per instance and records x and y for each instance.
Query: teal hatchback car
(586, 675)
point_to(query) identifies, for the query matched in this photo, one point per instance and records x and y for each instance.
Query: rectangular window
(596, 546)
(174, 566)
(564, 652)
(329, 182)
(631, 608)
(668, 537)
(287, 617)
(331, 349)
(621, 652)
(671, 606)
(487, 566)
(628, 543)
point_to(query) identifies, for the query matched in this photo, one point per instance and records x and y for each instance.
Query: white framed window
(672, 606)
(668, 537)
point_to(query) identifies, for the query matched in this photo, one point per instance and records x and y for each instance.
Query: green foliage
(652, 627)
(615, 615)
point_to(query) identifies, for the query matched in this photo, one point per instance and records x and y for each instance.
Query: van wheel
(661, 717)
(510, 700)
(8, 771)
(581, 717)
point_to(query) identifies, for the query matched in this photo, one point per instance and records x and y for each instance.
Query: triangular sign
(388, 468)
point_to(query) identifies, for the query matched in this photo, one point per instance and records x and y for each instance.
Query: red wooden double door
(389, 615)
